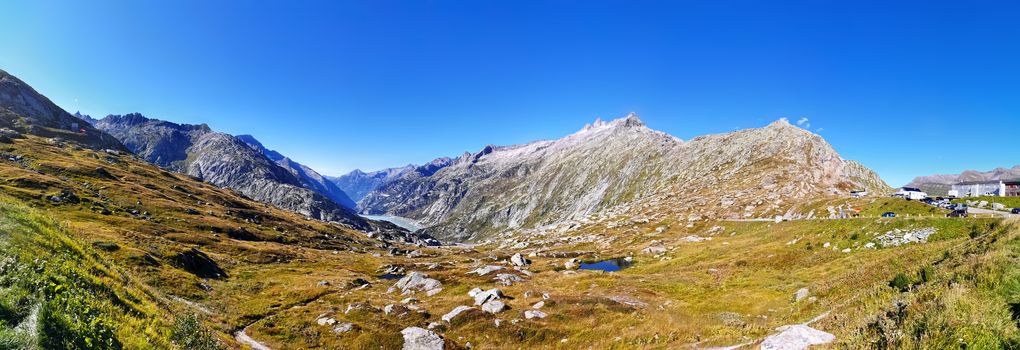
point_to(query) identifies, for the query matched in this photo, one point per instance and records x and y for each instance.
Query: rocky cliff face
(359, 184)
(309, 177)
(940, 184)
(24, 110)
(226, 161)
(622, 167)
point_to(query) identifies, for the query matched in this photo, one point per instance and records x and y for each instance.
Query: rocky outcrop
(622, 167)
(308, 177)
(225, 161)
(24, 110)
(359, 184)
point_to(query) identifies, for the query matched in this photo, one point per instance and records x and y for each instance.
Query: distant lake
(409, 224)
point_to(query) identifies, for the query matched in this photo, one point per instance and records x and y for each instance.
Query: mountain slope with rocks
(940, 184)
(225, 161)
(23, 110)
(622, 168)
(359, 184)
(309, 177)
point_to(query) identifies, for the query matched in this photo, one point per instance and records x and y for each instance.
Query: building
(911, 193)
(998, 188)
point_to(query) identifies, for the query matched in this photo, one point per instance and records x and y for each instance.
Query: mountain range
(239, 163)
(621, 166)
(940, 184)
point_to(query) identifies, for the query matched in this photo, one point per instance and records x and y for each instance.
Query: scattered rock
(416, 338)
(494, 306)
(491, 294)
(507, 279)
(800, 294)
(456, 312)
(538, 305)
(519, 260)
(417, 281)
(485, 270)
(530, 314)
(343, 328)
(796, 337)
(324, 321)
(572, 264)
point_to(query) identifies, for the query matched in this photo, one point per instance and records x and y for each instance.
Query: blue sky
(910, 88)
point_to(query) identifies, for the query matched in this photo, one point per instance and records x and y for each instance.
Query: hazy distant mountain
(24, 110)
(621, 164)
(227, 161)
(358, 184)
(310, 178)
(940, 184)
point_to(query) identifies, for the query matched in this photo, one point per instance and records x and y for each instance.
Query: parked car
(1015, 211)
(957, 214)
(888, 215)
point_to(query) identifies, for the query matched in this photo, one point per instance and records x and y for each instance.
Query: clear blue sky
(908, 89)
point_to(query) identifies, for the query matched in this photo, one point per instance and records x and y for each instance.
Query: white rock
(847, 250)
(343, 328)
(416, 338)
(491, 294)
(519, 260)
(456, 312)
(800, 294)
(538, 305)
(473, 292)
(796, 337)
(494, 306)
(417, 281)
(530, 314)
(325, 321)
(485, 270)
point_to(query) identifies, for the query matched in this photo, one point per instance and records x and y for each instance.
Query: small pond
(608, 265)
(391, 276)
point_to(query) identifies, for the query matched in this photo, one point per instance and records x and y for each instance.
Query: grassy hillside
(58, 293)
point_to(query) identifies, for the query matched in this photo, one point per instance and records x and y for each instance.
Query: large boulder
(494, 306)
(417, 281)
(519, 260)
(483, 297)
(416, 338)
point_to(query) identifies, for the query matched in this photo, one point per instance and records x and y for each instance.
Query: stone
(455, 312)
(416, 338)
(800, 294)
(474, 291)
(485, 270)
(325, 321)
(998, 206)
(491, 294)
(417, 281)
(538, 305)
(507, 279)
(494, 306)
(519, 260)
(343, 328)
(572, 264)
(796, 337)
(530, 314)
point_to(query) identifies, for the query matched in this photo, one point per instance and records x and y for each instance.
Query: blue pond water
(608, 265)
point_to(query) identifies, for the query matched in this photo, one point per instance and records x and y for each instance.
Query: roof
(910, 189)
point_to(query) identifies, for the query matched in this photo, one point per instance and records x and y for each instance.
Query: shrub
(901, 282)
(189, 333)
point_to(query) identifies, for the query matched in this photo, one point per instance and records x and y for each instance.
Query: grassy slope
(75, 298)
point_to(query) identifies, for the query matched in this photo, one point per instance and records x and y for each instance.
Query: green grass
(73, 297)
